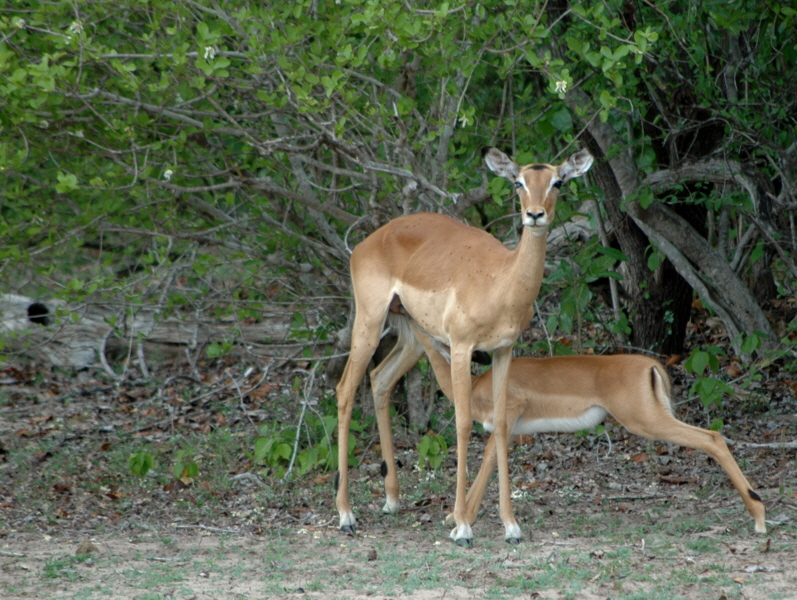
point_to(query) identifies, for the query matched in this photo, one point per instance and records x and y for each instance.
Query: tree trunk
(418, 416)
(659, 301)
(699, 263)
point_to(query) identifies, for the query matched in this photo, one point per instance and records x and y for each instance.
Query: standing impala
(466, 291)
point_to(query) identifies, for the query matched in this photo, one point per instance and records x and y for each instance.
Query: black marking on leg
(337, 480)
(754, 496)
(383, 469)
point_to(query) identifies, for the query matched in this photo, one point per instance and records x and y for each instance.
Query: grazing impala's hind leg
(654, 420)
(711, 443)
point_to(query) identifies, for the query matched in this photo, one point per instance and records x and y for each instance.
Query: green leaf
(655, 259)
(613, 253)
(561, 120)
(140, 463)
(262, 449)
(757, 253)
(217, 349)
(750, 344)
(498, 190)
(424, 445)
(697, 362)
(66, 183)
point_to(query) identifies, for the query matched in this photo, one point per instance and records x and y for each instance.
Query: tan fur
(465, 290)
(634, 389)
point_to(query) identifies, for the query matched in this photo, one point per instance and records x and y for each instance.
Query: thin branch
(774, 445)
(308, 392)
(104, 359)
(770, 235)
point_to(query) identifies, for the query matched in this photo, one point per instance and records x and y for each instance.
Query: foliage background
(210, 165)
(222, 158)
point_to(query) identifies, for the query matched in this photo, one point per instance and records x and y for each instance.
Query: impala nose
(535, 217)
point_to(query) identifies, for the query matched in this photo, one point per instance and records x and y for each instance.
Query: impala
(571, 393)
(466, 291)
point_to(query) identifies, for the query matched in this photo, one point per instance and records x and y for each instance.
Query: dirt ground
(631, 520)
(403, 558)
(205, 564)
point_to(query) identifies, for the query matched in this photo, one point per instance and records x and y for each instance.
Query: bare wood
(570, 393)
(772, 446)
(79, 343)
(467, 292)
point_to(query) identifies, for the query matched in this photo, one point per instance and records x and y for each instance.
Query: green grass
(703, 546)
(62, 567)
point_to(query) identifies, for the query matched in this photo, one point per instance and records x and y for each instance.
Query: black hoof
(350, 529)
(513, 541)
(463, 542)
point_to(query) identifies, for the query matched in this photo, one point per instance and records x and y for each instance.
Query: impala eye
(518, 184)
(558, 184)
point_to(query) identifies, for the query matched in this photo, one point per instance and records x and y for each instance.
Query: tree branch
(716, 283)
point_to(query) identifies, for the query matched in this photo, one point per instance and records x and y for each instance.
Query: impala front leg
(462, 534)
(502, 358)
(479, 485)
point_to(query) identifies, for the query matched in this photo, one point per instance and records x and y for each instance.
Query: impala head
(537, 185)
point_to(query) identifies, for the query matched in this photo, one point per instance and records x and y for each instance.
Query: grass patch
(62, 567)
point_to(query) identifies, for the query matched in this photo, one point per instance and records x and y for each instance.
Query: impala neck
(529, 263)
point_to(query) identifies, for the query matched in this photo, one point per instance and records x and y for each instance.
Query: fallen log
(60, 334)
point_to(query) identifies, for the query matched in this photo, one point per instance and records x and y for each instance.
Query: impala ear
(576, 165)
(500, 164)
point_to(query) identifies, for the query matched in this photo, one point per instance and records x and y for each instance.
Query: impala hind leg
(677, 432)
(404, 355)
(652, 418)
(365, 339)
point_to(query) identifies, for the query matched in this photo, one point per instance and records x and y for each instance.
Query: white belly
(586, 420)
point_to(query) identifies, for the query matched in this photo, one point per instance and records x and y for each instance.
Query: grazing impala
(571, 393)
(466, 291)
